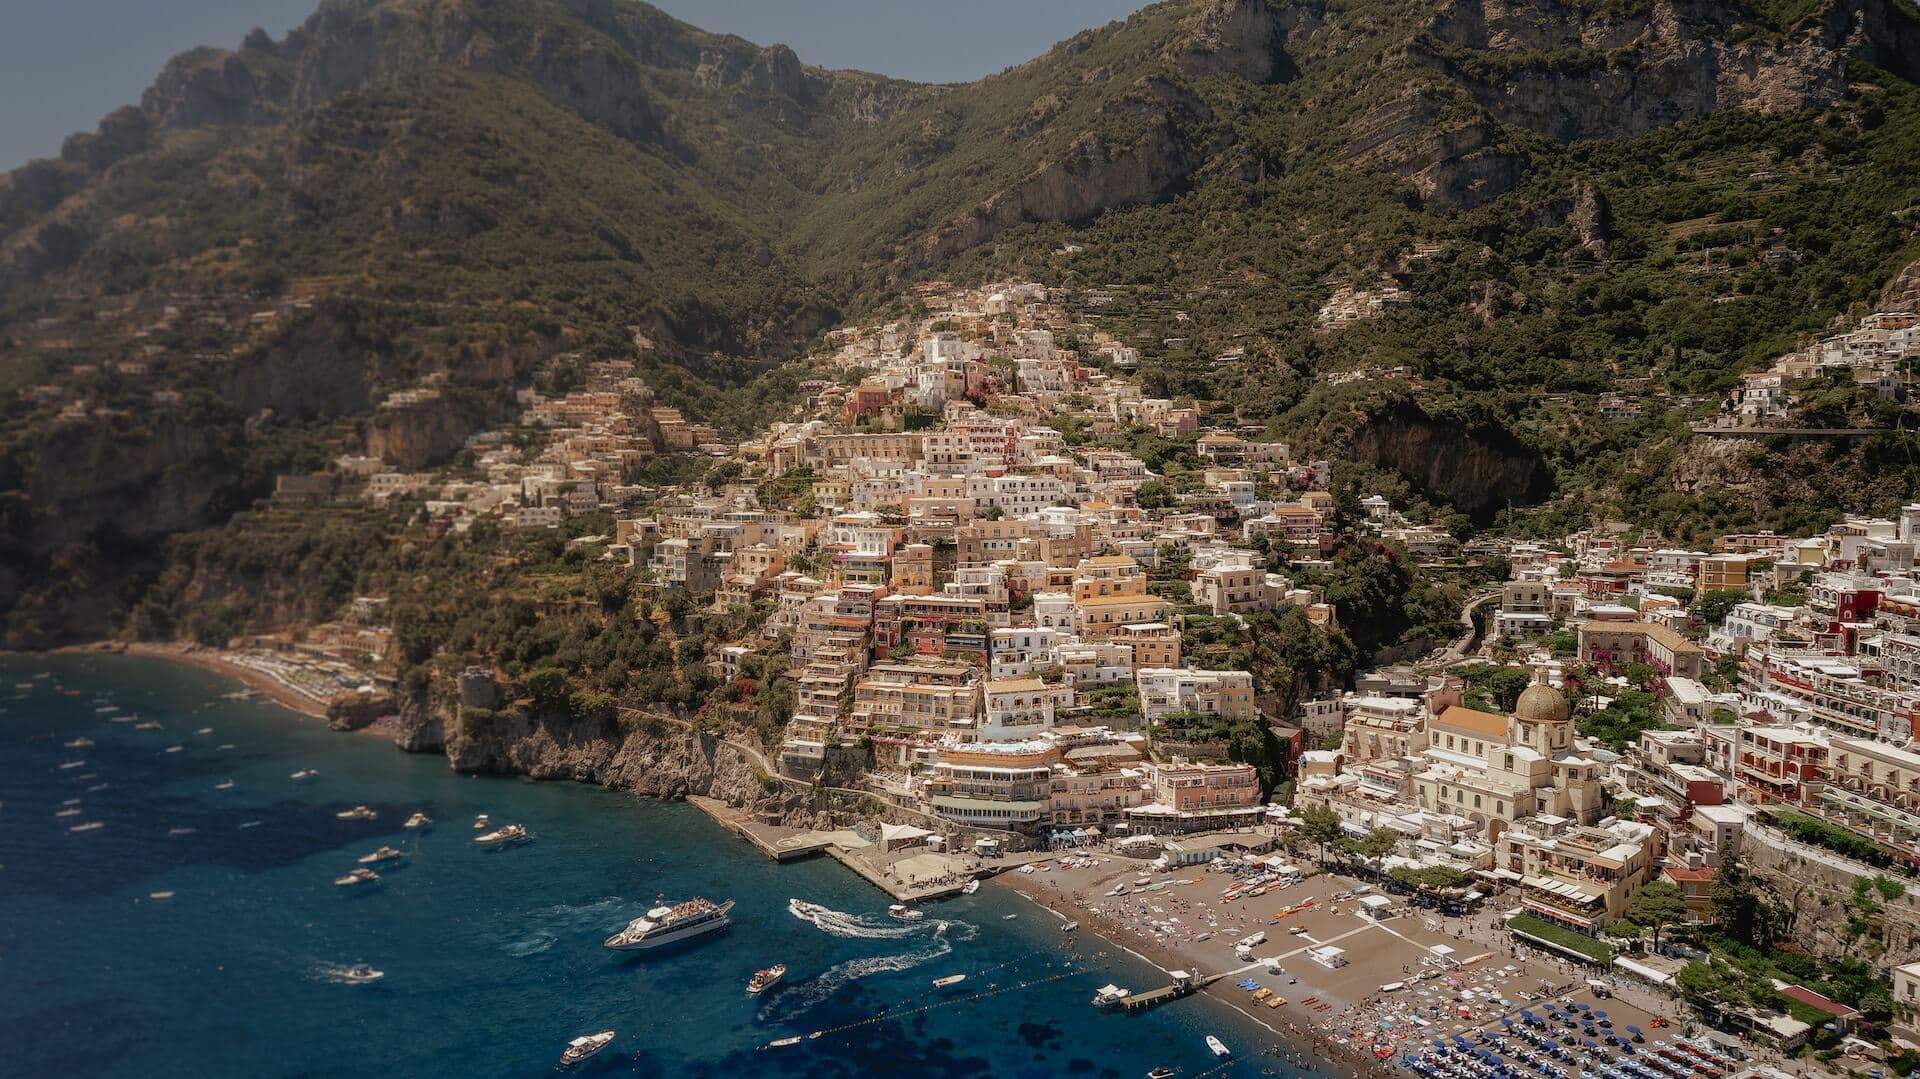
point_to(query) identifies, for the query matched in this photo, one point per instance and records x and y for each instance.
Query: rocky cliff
(660, 756)
(1478, 470)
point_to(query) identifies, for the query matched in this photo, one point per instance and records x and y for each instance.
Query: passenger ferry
(669, 925)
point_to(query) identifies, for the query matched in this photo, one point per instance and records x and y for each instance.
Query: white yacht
(668, 925)
(360, 974)
(224, 785)
(764, 980)
(512, 833)
(905, 913)
(1109, 995)
(585, 1046)
(384, 854)
(418, 820)
(356, 813)
(970, 887)
(949, 981)
(1219, 1047)
(362, 875)
(304, 774)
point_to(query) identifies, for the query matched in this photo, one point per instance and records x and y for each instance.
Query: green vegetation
(1597, 950)
(1821, 834)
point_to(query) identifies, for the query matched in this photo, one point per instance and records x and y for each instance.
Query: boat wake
(838, 923)
(544, 927)
(936, 940)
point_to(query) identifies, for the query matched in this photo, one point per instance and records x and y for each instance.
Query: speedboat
(1069, 927)
(949, 981)
(1109, 995)
(149, 725)
(224, 785)
(1160, 1073)
(782, 1043)
(174, 749)
(384, 854)
(905, 913)
(90, 826)
(304, 774)
(800, 908)
(79, 743)
(418, 820)
(970, 887)
(362, 875)
(360, 974)
(1219, 1047)
(763, 979)
(670, 924)
(356, 813)
(480, 822)
(70, 811)
(512, 833)
(70, 765)
(585, 1046)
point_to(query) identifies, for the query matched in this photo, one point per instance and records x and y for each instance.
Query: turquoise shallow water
(493, 958)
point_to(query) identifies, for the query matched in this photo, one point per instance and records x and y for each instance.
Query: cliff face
(1479, 471)
(661, 758)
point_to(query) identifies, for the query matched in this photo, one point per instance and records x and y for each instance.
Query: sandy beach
(1401, 981)
(207, 659)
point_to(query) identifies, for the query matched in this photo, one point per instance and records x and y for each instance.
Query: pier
(1183, 986)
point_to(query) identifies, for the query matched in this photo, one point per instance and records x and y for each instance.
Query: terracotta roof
(1485, 724)
(1814, 1000)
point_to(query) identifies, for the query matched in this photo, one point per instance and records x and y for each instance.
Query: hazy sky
(66, 63)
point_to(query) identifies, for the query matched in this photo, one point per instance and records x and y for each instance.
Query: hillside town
(1002, 621)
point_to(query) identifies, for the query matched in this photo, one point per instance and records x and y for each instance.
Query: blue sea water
(493, 958)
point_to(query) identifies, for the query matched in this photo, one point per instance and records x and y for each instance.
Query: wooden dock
(1183, 986)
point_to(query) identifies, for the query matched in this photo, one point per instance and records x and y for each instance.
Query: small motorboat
(224, 785)
(70, 811)
(79, 743)
(174, 749)
(149, 725)
(356, 813)
(1069, 927)
(159, 895)
(512, 833)
(480, 822)
(90, 826)
(360, 974)
(1109, 995)
(904, 913)
(764, 980)
(1161, 1073)
(970, 887)
(204, 730)
(418, 820)
(949, 981)
(304, 774)
(181, 829)
(71, 765)
(782, 1043)
(362, 875)
(585, 1046)
(1219, 1047)
(384, 854)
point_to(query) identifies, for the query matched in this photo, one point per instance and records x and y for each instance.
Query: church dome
(1541, 704)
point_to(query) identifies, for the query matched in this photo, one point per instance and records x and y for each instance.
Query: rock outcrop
(1480, 471)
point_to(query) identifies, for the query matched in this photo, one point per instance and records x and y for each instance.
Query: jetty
(1183, 985)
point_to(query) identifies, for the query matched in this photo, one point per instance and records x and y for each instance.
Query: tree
(1659, 904)
(1736, 908)
(1378, 843)
(1322, 826)
(1713, 608)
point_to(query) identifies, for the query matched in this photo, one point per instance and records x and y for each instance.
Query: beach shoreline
(1300, 1046)
(212, 661)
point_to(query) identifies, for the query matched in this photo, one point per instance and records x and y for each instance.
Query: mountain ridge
(459, 190)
